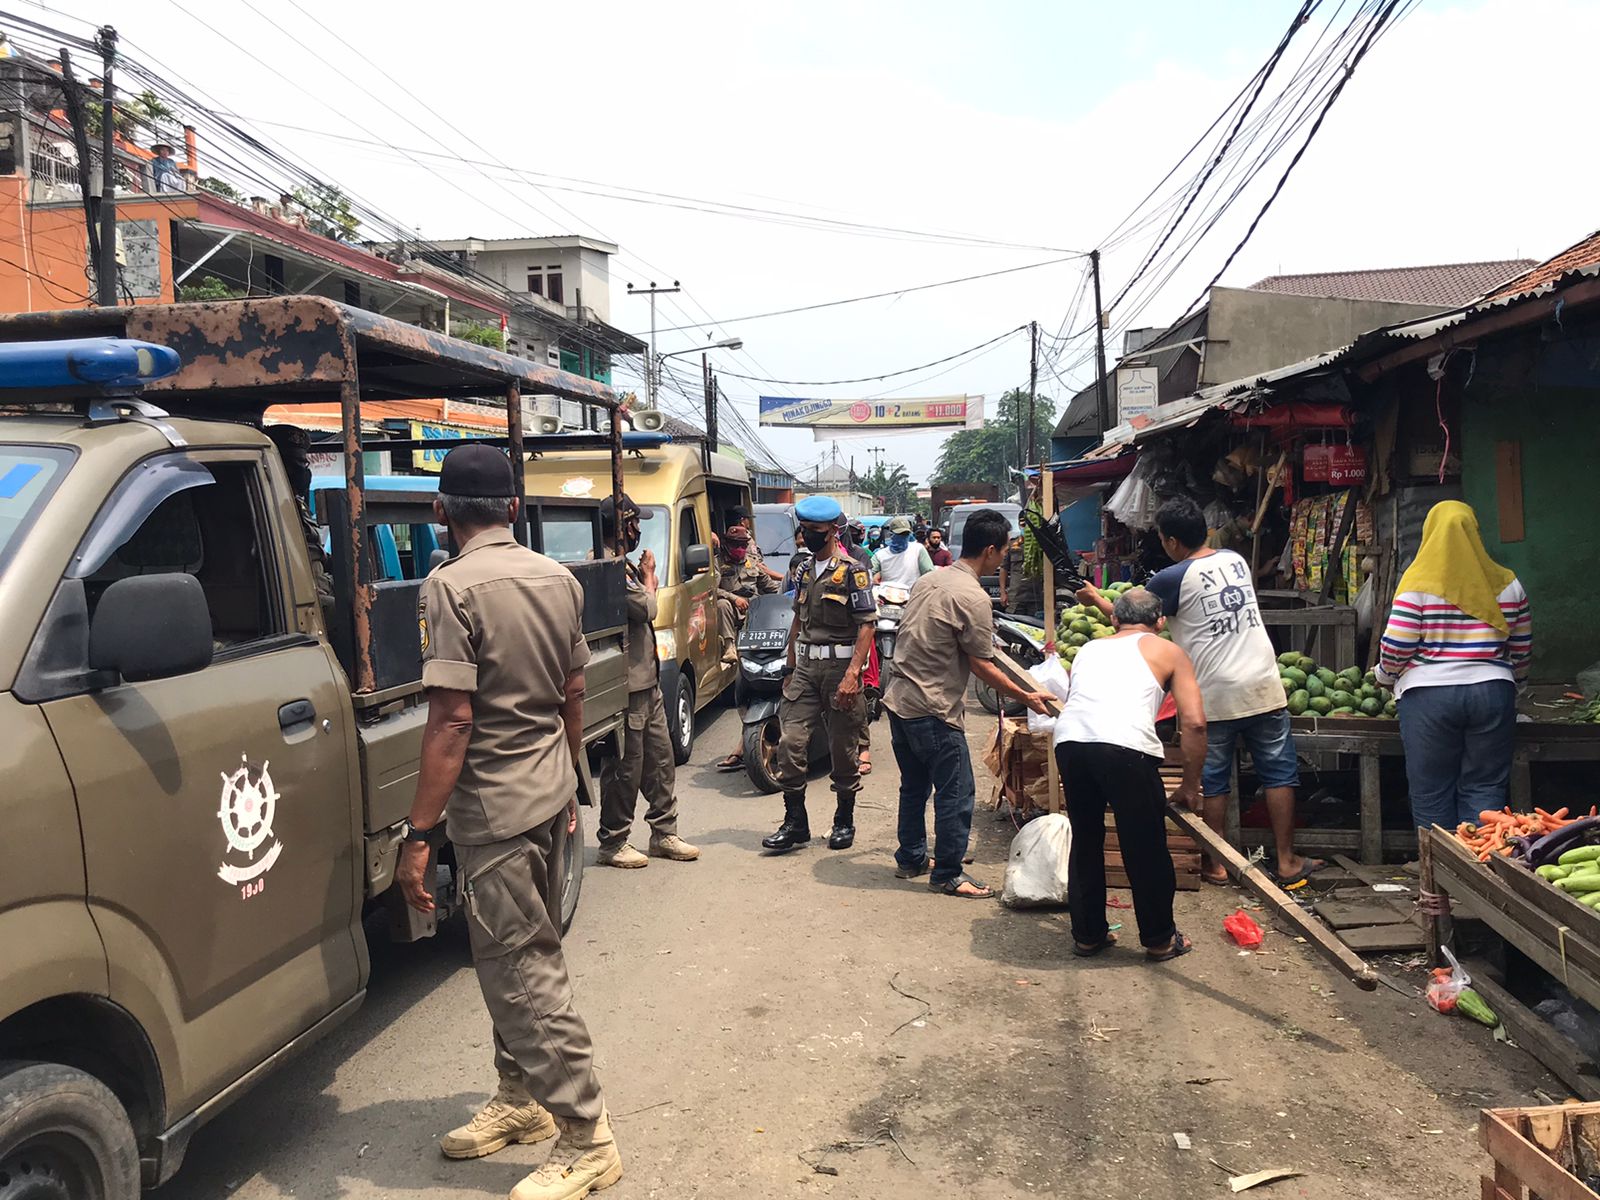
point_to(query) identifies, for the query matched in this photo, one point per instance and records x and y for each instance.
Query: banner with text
(961, 412)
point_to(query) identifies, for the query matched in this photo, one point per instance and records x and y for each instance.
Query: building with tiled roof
(1574, 258)
(1446, 285)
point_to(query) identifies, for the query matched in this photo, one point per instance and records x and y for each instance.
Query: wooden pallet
(1541, 1153)
(1185, 859)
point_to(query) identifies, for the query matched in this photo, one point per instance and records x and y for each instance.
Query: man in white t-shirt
(1209, 599)
(902, 561)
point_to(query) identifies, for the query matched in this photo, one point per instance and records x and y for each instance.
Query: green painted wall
(1558, 559)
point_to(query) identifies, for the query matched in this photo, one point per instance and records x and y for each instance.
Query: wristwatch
(410, 833)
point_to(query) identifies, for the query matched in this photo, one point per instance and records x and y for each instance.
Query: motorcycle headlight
(775, 667)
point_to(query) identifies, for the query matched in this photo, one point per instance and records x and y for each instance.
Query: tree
(479, 333)
(330, 211)
(990, 454)
(891, 485)
(221, 187)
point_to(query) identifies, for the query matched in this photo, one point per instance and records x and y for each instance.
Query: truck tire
(63, 1136)
(572, 872)
(761, 755)
(680, 717)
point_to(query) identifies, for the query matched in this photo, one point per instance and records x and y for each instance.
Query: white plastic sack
(1037, 872)
(1052, 677)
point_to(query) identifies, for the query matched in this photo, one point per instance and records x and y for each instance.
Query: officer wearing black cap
(503, 655)
(647, 763)
(834, 618)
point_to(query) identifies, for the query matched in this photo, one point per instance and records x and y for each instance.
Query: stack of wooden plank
(1185, 858)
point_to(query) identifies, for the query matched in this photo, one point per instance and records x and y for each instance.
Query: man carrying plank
(1108, 752)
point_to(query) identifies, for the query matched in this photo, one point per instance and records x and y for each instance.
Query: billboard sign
(933, 413)
(1136, 392)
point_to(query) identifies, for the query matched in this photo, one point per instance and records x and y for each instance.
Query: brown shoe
(620, 855)
(674, 847)
(585, 1160)
(511, 1116)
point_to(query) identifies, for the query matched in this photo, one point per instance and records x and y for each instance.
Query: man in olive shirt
(946, 636)
(647, 764)
(503, 654)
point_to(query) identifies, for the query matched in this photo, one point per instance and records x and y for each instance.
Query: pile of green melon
(1082, 623)
(1322, 691)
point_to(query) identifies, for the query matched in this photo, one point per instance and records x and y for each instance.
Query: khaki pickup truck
(210, 708)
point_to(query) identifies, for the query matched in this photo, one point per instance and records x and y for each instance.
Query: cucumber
(1580, 881)
(1470, 1004)
(1551, 872)
(1579, 854)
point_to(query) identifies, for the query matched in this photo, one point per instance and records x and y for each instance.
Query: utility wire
(887, 374)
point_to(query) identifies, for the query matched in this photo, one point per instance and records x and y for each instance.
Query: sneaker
(511, 1116)
(674, 847)
(585, 1160)
(620, 855)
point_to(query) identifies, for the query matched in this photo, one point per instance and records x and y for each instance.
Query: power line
(886, 375)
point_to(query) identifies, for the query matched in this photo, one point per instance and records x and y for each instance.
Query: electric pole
(652, 366)
(108, 171)
(1100, 345)
(1033, 386)
(877, 455)
(709, 382)
(77, 113)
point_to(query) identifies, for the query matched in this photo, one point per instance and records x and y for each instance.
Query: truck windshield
(958, 521)
(655, 535)
(28, 476)
(775, 533)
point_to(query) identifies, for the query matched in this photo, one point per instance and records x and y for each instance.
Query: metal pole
(1033, 387)
(107, 267)
(655, 363)
(518, 459)
(1100, 345)
(710, 392)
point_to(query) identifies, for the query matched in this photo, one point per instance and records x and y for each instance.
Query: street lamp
(653, 374)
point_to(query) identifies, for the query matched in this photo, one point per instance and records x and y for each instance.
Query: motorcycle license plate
(764, 639)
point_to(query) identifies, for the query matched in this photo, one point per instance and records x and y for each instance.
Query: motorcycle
(891, 611)
(1023, 638)
(763, 646)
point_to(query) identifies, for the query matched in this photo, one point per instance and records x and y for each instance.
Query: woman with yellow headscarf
(1458, 642)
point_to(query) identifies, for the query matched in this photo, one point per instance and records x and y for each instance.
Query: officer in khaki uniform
(743, 579)
(835, 615)
(503, 654)
(647, 763)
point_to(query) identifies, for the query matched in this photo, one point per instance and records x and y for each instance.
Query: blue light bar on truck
(106, 363)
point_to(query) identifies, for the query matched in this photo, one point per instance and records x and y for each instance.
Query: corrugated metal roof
(1445, 285)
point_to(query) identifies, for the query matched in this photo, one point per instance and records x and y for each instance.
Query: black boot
(795, 830)
(843, 835)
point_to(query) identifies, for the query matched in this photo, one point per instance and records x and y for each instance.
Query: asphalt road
(810, 1026)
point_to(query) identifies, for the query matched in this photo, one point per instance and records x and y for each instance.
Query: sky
(1033, 123)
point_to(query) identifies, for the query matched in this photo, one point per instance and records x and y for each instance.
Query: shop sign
(1347, 465)
(431, 460)
(1137, 392)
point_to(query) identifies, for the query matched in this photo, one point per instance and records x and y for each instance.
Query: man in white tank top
(1108, 752)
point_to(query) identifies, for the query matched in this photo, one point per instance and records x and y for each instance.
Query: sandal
(953, 888)
(1313, 865)
(734, 762)
(865, 767)
(1105, 943)
(1179, 947)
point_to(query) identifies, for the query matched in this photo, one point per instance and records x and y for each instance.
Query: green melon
(1371, 706)
(1295, 674)
(1315, 686)
(1342, 699)
(1326, 675)
(1307, 663)
(1320, 704)
(1298, 701)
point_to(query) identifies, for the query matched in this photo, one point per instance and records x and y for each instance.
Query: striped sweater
(1431, 642)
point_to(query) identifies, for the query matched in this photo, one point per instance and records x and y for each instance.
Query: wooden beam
(1533, 1033)
(1046, 510)
(1317, 936)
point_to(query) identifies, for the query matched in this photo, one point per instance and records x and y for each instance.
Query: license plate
(764, 639)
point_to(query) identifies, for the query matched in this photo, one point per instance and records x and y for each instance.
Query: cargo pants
(807, 699)
(512, 891)
(647, 765)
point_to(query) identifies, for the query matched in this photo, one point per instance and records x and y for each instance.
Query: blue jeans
(933, 757)
(1458, 742)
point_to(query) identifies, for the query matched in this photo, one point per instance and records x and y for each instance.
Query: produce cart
(1550, 926)
(1552, 1153)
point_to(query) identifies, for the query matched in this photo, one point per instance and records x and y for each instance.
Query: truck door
(218, 807)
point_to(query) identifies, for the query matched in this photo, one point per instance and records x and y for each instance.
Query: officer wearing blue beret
(835, 614)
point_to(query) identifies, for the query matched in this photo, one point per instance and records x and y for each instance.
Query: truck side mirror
(696, 560)
(151, 627)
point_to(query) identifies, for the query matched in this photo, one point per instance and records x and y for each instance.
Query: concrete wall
(1251, 332)
(1555, 419)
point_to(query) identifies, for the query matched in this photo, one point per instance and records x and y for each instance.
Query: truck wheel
(571, 873)
(680, 718)
(63, 1136)
(761, 756)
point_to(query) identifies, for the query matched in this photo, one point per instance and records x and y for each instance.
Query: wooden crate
(1183, 848)
(1541, 1153)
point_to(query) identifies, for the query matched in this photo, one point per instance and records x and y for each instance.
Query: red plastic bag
(1242, 929)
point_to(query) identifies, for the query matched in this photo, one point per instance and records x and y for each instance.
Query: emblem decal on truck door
(249, 802)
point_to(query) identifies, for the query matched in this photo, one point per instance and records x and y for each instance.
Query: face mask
(899, 541)
(816, 540)
(737, 553)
